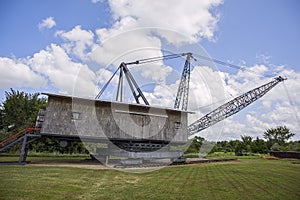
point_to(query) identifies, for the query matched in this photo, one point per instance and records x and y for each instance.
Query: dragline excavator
(129, 130)
(181, 101)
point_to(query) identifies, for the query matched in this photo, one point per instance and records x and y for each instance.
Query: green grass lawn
(243, 179)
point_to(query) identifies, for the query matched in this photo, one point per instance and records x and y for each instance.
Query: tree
(195, 145)
(247, 141)
(238, 148)
(294, 146)
(1, 118)
(259, 146)
(279, 135)
(20, 109)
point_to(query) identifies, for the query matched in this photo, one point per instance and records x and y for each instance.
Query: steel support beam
(232, 107)
(183, 89)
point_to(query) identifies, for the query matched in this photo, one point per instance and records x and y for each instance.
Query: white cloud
(104, 75)
(163, 95)
(47, 23)
(280, 106)
(97, 1)
(120, 26)
(155, 72)
(114, 48)
(64, 74)
(137, 27)
(232, 129)
(206, 86)
(50, 67)
(193, 19)
(78, 40)
(255, 71)
(14, 73)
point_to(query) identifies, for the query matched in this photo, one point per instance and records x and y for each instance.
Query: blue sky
(250, 28)
(245, 29)
(44, 44)
(21, 36)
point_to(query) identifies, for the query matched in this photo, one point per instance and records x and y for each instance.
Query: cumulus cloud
(113, 48)
(14, 73)
(51, 67)
(47, 23)
(163, 95)
(193, 19)
(62, 72)
(77, 41)
(137, 28)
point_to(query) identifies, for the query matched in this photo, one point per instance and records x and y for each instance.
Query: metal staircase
(26, 136)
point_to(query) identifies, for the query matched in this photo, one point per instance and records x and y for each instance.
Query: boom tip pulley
(280, 78)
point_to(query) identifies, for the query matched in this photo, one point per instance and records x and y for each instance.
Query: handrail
(14, 137)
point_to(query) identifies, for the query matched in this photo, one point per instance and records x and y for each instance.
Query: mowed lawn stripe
(230, 186)
(245, 179)
(266, 181)
(271, 176)
(247, 187)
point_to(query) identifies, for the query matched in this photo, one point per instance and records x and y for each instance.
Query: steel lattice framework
(183, 89)
(135, 89)
(232, 107)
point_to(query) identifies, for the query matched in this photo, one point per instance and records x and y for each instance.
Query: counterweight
(232, 107)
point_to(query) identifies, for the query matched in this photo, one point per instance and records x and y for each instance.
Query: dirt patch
(85, 166)
(93, 164)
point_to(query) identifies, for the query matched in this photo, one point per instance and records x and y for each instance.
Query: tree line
(20, 110)
(275, 139)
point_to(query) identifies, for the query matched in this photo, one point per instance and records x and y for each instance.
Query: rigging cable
(104, 87)
(229, 65)
(156, 59)
(291, 102)
(141, 61)
(198, 62)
